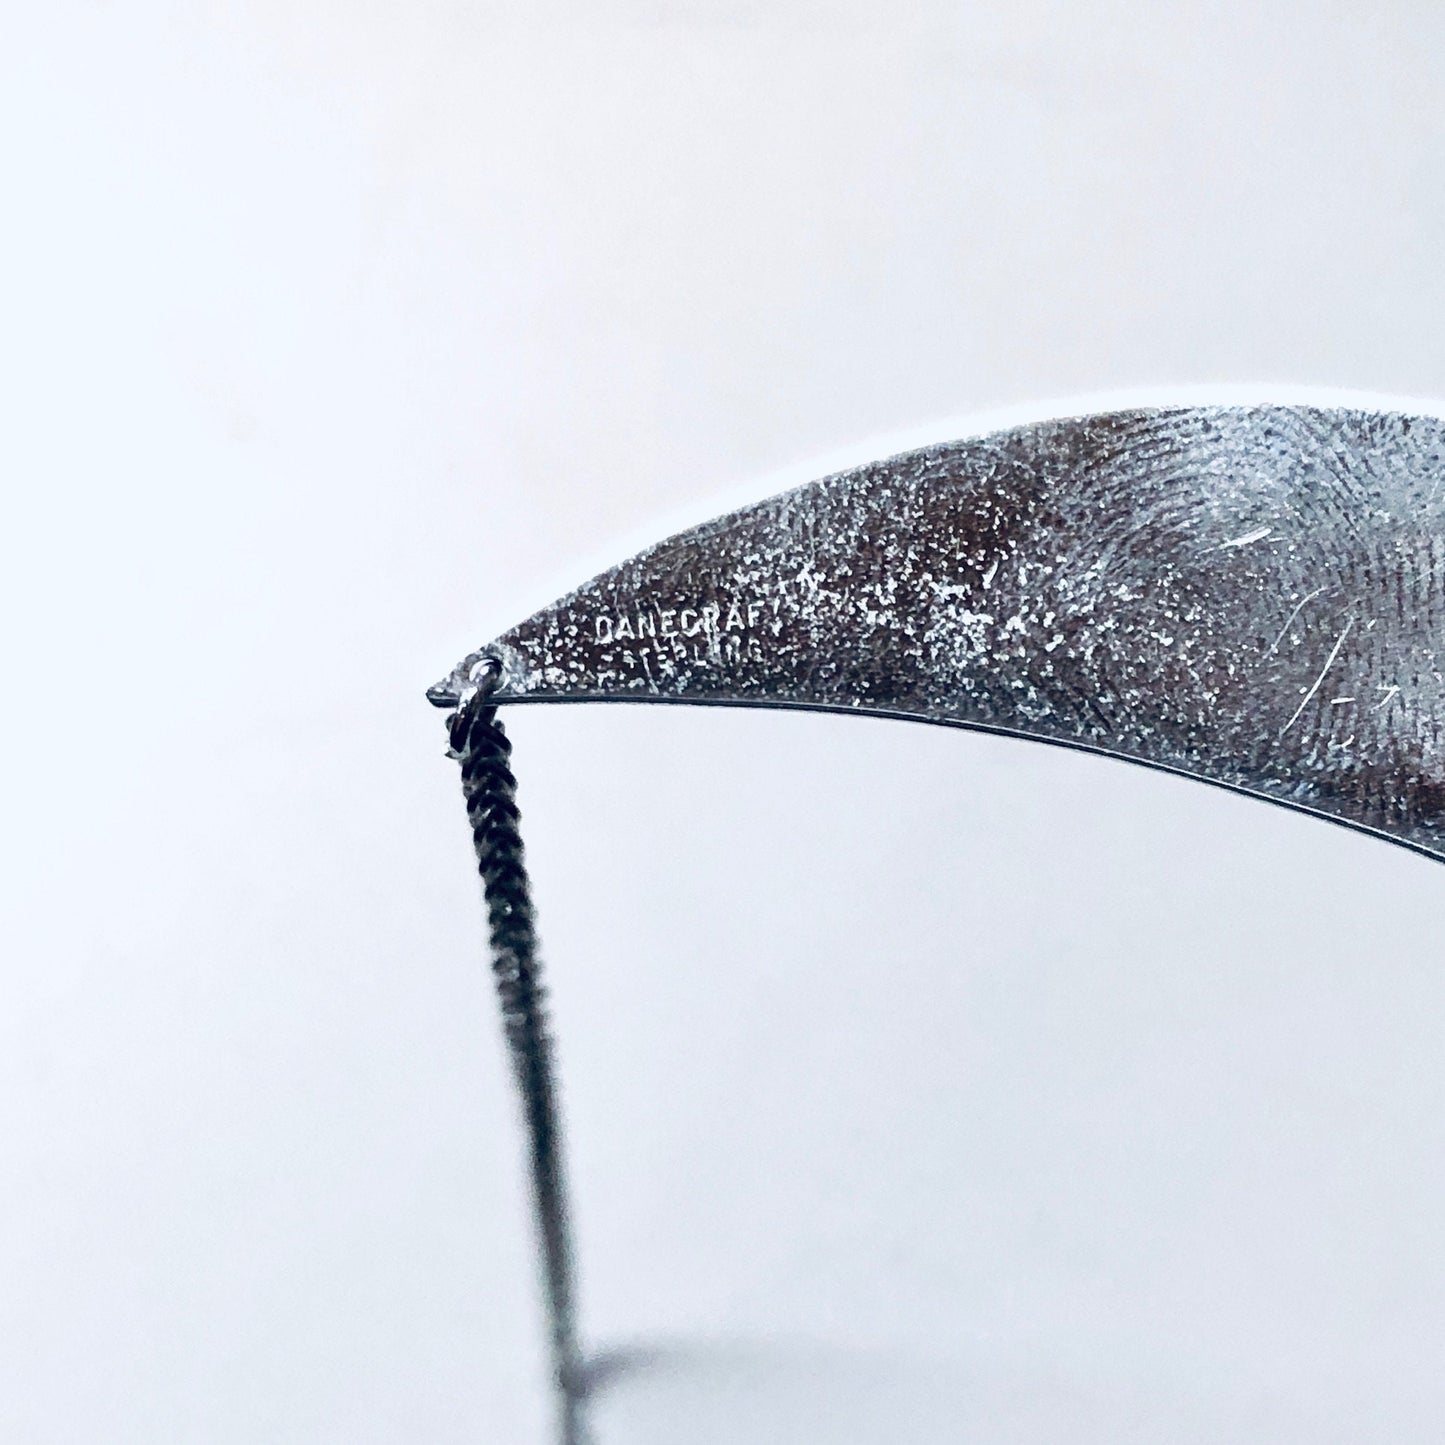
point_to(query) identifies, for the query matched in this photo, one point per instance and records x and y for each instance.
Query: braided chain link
(480, 744)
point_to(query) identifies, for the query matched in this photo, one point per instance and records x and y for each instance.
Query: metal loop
(478, 677)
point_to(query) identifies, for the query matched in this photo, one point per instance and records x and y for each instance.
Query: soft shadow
(765, 1392)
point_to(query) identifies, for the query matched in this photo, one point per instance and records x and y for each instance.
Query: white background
(920, 1086)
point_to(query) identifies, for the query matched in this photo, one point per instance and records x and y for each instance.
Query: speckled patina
(1252, 596)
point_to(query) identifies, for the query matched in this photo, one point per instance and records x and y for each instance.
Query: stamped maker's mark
(707, 620)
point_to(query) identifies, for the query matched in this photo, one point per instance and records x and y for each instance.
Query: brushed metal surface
(1248, 595)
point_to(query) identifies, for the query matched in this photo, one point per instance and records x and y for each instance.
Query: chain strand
(480, 744)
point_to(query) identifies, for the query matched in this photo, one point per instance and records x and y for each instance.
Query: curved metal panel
(1248, 595)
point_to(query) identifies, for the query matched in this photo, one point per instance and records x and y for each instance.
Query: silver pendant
(1251, 596)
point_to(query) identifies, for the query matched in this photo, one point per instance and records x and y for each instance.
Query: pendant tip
(444, 694)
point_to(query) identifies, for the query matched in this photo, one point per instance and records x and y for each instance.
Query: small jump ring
(477, 676)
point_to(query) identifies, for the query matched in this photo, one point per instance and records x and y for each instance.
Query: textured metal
(1250, 596)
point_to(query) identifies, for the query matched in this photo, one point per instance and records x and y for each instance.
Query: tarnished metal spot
(1248, 595)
